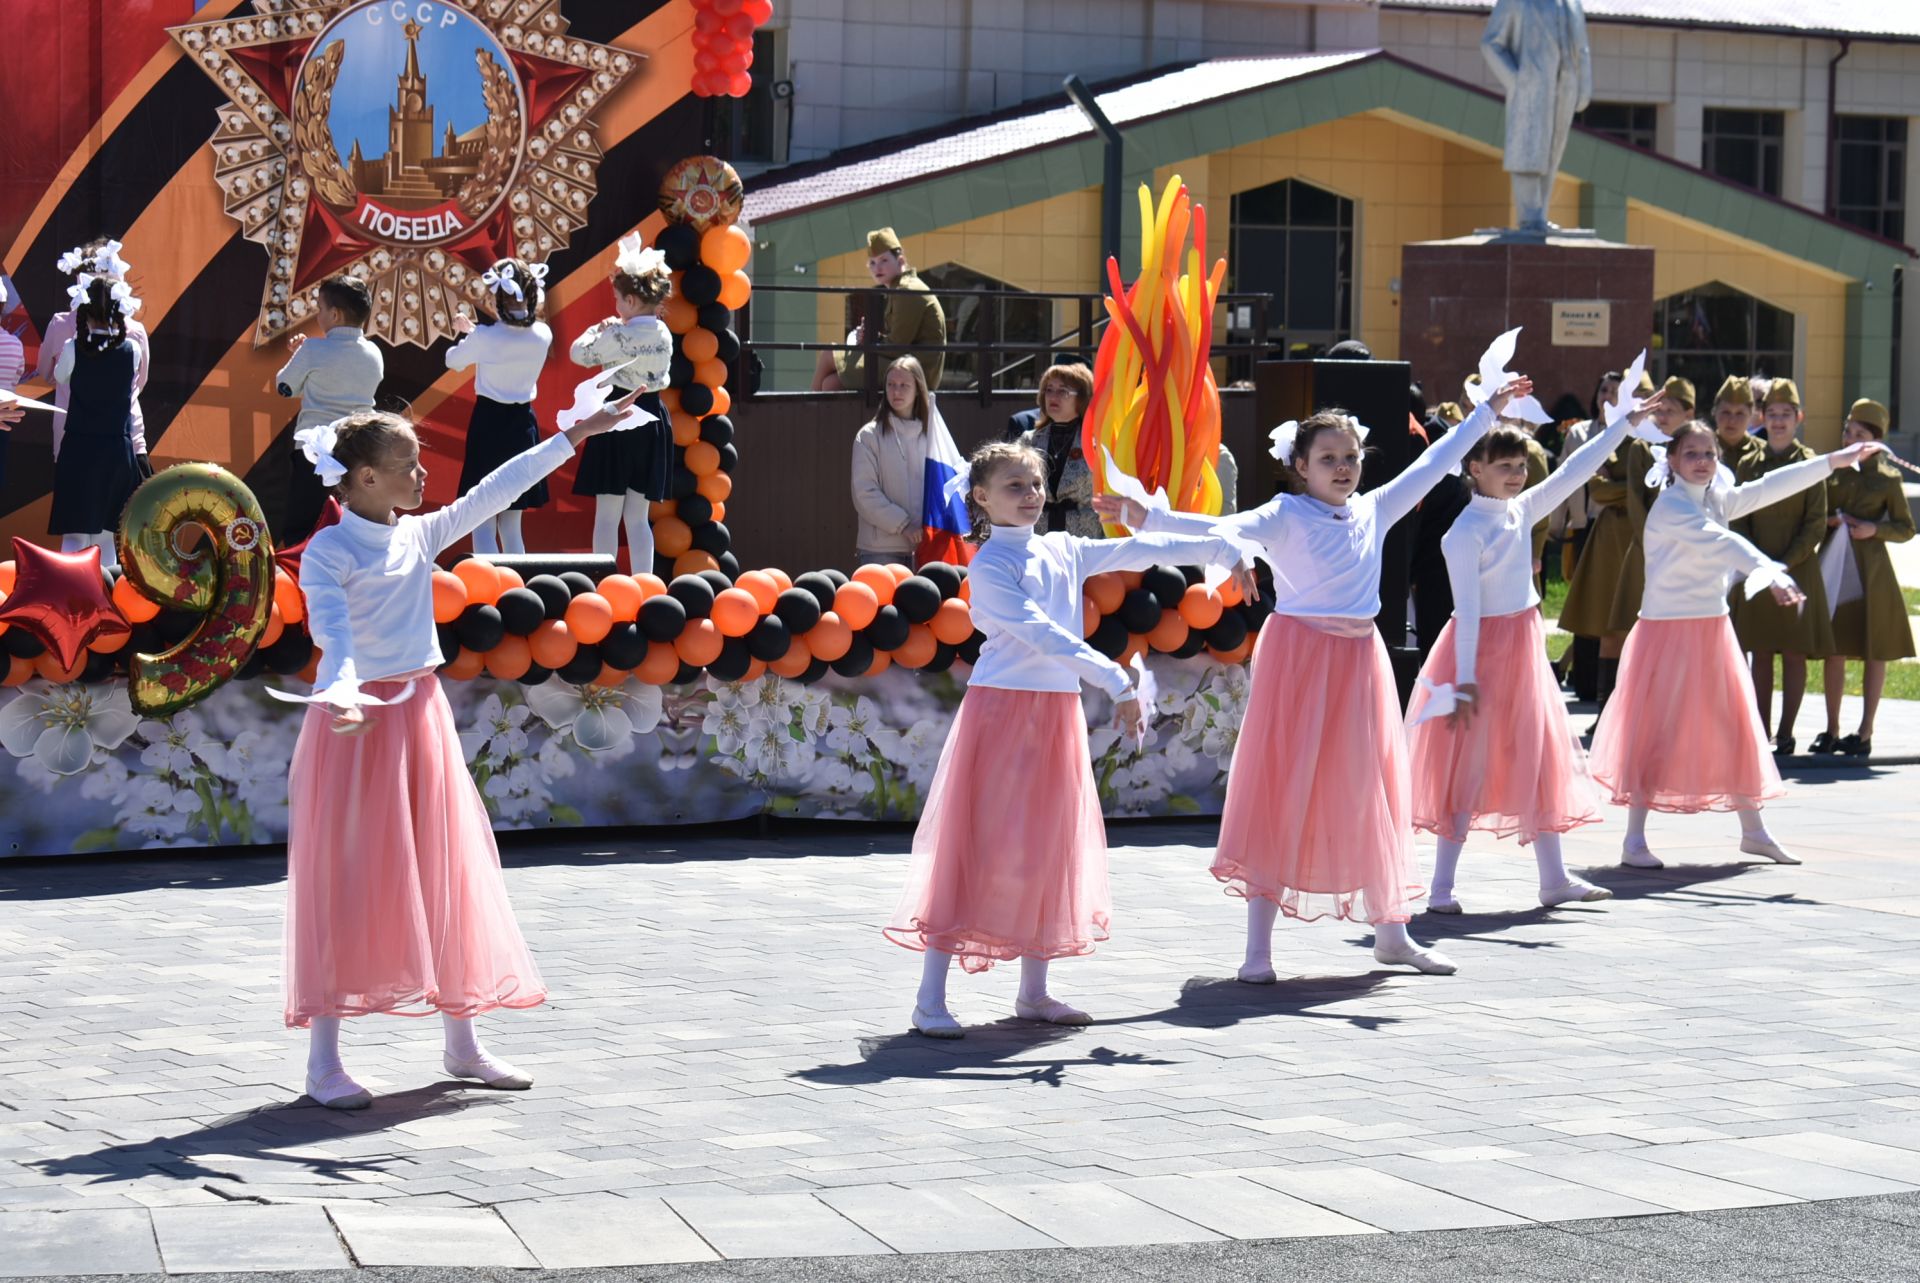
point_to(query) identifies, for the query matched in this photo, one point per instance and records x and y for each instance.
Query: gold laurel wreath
(480, 193)
(311, 134)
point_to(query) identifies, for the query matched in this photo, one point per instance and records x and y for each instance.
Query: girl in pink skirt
(1504, 761)
(1010, 857)
(1318, 818)
(1682, 732)
(395, 901)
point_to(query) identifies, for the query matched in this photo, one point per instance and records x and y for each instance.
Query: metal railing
(996, 358)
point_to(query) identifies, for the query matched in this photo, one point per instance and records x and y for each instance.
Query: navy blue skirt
(93, 478)
(500, 432)
(638, 459)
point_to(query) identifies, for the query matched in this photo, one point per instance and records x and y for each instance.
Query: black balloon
(578, 581)
(769, 639)
(798, 608)
(626, 645)
(1139, 611)
(1229, 632)
(815, 671)
(175, 625)
(700, 285)
(716, 317)
(888, 631)
(712, 537)
(583, 667)
(521, 610)
(685, 674)
(290, 654)
(1166, 584)
(553, 593)
(535, 674)
(943, 657)
(945, 577)
(729, 345)
(256, 665)
(684, 482)
(695, 509)
(1196, 641)
(696, 399)
(734, 660)
(917, 597)
(729, 457)
(970, 648)
(446, 634)
(857, 660)
(716, 430)
(693, 592)
(1110, 638)
(664, 618)
(1193, 575)
(716, 580)
(679, 371)
(24, 644)
(729, 565)
(480, 628)
(680, 242)
(840, 578)
(98, 667)
(819, 585)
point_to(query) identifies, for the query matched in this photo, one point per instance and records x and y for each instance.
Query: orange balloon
(663, 508)
(113, 644)
(19, 671)
(509, 578)
(1201, 606)
(130, 602)
(715, 488)
(449, 596)
(465, 666)
(719, 509)
(1089, 616)
(661, 663)
(1230, 594)
(711, 373)
(699, 643)
(510, 660)
(899, 572)
(590, 618)
(953, 622)
(735, 289)
(680, 316)
(721, 401)
(276, 628)
(624, 596)
(764, 587)
(670, 398)
(703, 457)
(312, 671)
(7, 572)
(693, 562)
(756, 669)
(672, 536)
(1136, 644)
(725, 249)
(877, 578)
(735, 612)
(917, 650)
(552, 643)
(780, 578)
(1170, 633)
(882, 661)
(49, 667)
(699, 345)
(651, 585)
(286, 595)
(1234, 656)
(610, 676)
(795, 661)
(1131, 579)
(686, 428)
(1107, 591)
(857, 603)
(830, 638)
(482, 581)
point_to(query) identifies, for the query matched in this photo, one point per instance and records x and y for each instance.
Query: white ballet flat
(1050, 1010)
(500, 1077)
(1430, 961)
(936, 1024)
(1576, 890)
(1257, 973)
(1448, 905)
(1768, 847)
(1639, 857)
(338, 1091)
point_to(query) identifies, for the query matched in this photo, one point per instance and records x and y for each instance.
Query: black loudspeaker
(1374, 392)
(529, 564)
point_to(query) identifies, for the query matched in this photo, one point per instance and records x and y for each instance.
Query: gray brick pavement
(723, 1070)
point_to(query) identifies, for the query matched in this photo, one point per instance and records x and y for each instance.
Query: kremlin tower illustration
(410, 175)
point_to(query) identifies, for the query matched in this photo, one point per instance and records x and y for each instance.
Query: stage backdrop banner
(88, 775)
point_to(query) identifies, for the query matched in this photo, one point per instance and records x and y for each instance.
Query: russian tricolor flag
(943, 500)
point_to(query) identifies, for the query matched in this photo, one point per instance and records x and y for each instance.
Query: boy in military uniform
(913, 318)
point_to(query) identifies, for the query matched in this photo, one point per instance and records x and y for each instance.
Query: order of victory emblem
(411, 143)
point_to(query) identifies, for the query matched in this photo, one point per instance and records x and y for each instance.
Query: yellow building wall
(1687, 255)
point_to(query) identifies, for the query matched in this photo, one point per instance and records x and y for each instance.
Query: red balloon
(761, 11)
(740, 26)
(736, 60)
(739, 84)
(726, 8)
(61, 599)
(706, 61)
(705, 22)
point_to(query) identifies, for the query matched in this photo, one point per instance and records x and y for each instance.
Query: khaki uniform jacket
(1589, 608)
(1874, 627)
(1790, 532)
(914, 316)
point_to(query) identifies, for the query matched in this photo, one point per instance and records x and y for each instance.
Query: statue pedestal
(1587, 305)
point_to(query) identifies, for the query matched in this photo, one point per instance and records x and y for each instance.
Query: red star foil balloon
(60, 598)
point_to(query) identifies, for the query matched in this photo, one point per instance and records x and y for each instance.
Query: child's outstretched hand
(603, 420)
(1244, 579)
(1465, 696)
(1639, 413)
(1849, 456)
(1787, 594)
(351, 721)
(1130, 717)
(1130, 513)
(1520, 386)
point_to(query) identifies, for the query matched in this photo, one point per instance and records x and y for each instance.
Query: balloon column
(707, 255)
(723, 45)
(1155, 403)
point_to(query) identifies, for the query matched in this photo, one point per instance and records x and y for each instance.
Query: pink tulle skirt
(1318, 817)
(1518, 768)
(1681, 732)
(395, 901)
(1010, 858)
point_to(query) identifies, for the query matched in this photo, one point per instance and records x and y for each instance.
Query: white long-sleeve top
(642, 345)
(1026, 599)
(1693, 558)
(1489, 548)
(507, 360)
(334, 375)
(1326, 559)
(369, 586)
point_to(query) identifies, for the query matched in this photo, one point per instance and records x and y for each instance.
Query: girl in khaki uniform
(1790, 532)
(1869, 508)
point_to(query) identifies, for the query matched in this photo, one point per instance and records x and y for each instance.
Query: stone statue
(1538, 52)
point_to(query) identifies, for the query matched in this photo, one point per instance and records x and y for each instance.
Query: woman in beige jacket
(889, 470)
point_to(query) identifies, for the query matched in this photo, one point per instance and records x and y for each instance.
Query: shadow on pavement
(1210, 1002)
(1008, 1051)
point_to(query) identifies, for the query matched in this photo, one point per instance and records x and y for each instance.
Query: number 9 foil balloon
(226, 578)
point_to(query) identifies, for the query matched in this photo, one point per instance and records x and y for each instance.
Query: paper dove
(1149, 694)
(1127, 487)
(1441, 700)
(1623, 395)
(591, 395)
(24, 402)
(344, 693)
(1495, 375)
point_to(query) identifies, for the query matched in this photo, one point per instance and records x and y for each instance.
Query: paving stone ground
(724, 1070)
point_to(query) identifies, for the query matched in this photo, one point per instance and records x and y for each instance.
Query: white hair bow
(71, 261)
(501, 277)
(119, 292)
(108, 261)
(81, 287)
(1662, 471)
(317, 444)
(635, 259)
(1285, 436)
(538, 271)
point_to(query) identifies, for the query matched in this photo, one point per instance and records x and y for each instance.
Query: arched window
(1294, 241)
(1708, 333)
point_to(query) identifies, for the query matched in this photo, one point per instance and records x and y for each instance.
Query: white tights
(1262, 913)
(1547, 860)
(323, 1044)
(103, 539)
(935, 966)
(499, 534)
(609, 512)
(1751, 825)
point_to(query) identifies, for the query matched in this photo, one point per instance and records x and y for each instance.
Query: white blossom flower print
(179, 744)
(730, 722)
(853, 727)
(498, 731)
(60, 727)
(602, 719)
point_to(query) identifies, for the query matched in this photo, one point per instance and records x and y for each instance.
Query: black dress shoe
(1783, 746)
(1824, 743)
(1854, 746)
